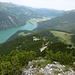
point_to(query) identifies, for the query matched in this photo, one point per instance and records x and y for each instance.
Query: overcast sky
(54, 4)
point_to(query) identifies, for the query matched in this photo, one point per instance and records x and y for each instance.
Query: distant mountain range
(12, 15)
(44, 12)
(64, 22)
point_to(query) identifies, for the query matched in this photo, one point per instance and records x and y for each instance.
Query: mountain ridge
(39, 39)
(64, 22)
(12, 15)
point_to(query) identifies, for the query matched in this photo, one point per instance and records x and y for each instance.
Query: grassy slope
(34, 20)
(63, 36)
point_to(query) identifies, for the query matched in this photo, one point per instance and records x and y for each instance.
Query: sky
(52, 4)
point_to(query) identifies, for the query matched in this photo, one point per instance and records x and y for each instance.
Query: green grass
(63, 36)
(37, 20)
(21, 34)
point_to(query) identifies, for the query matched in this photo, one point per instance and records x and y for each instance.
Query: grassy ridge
(34, 20)
(63, 36)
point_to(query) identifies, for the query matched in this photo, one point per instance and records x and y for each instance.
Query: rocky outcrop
(50, 69)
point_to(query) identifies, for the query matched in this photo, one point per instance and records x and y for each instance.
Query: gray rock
(50, 69)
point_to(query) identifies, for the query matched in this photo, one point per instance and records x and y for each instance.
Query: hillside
(62, 36)
(12, 15)
(26, 42)
(22, 40)
(41, 53)
(64, 22)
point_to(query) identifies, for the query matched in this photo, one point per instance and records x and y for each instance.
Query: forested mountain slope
(12, 15)
(35, 42)
(64, 22)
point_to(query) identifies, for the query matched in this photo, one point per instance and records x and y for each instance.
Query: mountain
(12, 15)
(64, 22)
(44, 12)
(38, 54)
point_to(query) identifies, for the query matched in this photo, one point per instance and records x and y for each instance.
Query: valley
(6, 34)
(12, 15)
(30, 25)
(34, 20)
(36, 41)
(11, 21)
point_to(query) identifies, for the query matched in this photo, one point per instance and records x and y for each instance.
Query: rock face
(50, 69)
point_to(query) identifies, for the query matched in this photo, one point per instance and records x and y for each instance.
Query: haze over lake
(5, 34)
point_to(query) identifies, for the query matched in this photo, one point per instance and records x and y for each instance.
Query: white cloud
(55, 4)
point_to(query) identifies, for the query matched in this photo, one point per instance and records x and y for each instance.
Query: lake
(5, 34)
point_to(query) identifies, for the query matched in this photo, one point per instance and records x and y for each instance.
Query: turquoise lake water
(5, 34)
